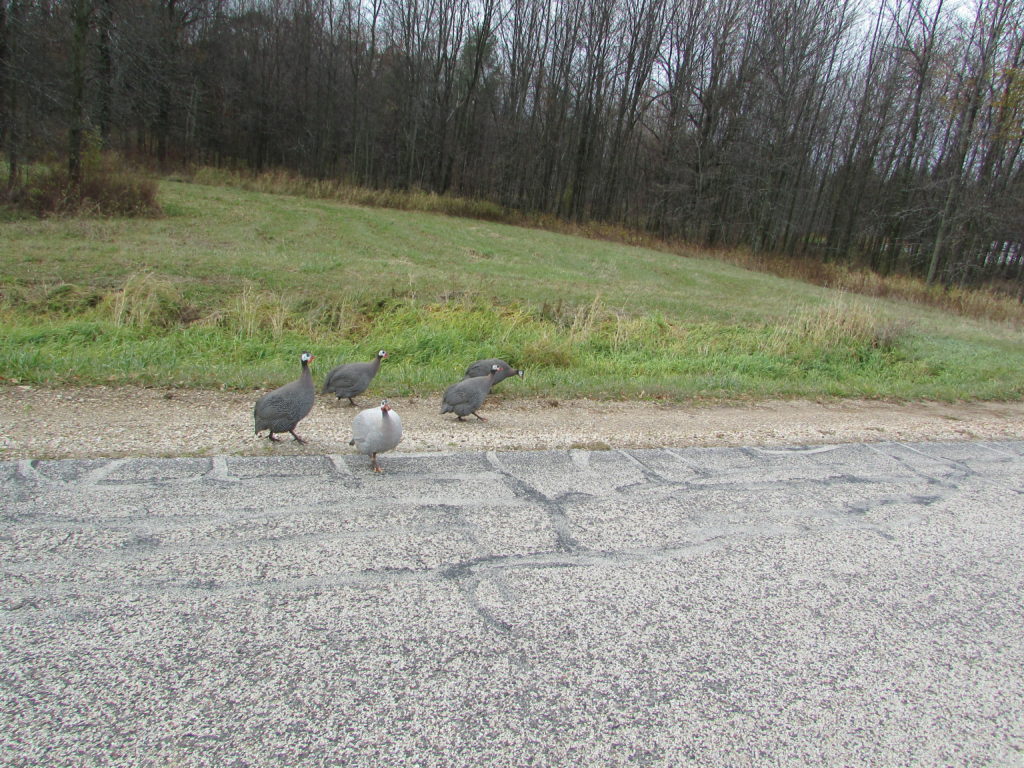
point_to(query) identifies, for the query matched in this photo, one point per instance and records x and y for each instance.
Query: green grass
(230, 285)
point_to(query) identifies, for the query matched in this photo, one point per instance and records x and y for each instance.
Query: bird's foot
(298, 439)
(479, 417)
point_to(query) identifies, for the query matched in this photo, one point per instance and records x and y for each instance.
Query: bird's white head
(495, 368)
(306, 357)
(385, 406)
(381, 354)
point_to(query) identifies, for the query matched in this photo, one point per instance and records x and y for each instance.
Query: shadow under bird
(465, 397)
(282, 409)
(351, 379)
(483, 368)
(376, 430)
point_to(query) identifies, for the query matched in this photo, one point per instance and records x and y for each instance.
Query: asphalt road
(855, 605)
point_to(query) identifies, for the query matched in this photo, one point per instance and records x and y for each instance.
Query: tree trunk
(9, 91)
(81, 16)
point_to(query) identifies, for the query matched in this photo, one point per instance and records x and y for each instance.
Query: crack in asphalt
(145, 537)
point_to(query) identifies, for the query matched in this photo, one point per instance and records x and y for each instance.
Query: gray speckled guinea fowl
(465, 397)
(376, 430)
(483, 368)
(352, 379)
(283, 409)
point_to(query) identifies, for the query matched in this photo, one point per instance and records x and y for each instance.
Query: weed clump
(254, 313)
(548, 350)
(840, 324)
(106, 189)
(147, 301)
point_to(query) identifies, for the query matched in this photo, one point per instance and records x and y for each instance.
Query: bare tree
(986, 34)
(802, 127)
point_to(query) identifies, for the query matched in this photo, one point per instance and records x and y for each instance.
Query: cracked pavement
(831, 605)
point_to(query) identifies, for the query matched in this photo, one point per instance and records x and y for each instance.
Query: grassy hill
(229, 287)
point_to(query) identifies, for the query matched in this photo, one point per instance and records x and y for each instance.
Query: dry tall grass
(146, 301)
(253, 313)
(981, 303)
(838, 323)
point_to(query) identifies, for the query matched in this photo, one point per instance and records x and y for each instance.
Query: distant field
(231, 285)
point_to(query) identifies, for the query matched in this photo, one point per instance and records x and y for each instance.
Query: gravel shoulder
(95, 422)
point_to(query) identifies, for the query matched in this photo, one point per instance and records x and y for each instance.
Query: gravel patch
(99, 422)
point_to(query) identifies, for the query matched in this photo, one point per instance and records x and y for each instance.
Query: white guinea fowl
(376, 430)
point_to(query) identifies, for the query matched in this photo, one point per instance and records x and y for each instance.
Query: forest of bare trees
(885, 134)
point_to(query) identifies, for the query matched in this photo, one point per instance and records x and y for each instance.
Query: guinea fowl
(352, 379)
(483, 367)
(376, 430)
(465, 397)
(282, 409)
